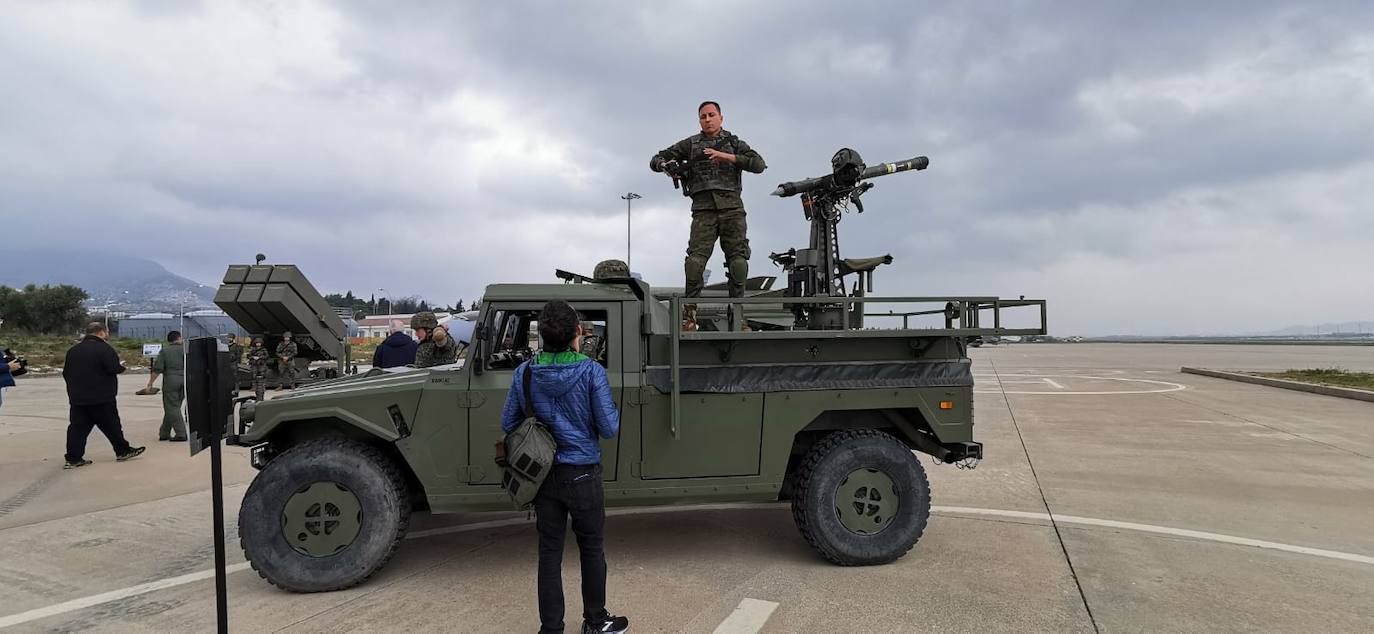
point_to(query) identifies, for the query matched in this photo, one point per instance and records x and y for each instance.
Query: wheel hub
(321, 519)
(865, 501)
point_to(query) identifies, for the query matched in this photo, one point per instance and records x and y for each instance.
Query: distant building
(379, 326)
(197, 323)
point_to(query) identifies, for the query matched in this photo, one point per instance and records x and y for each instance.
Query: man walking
(571, 394)
(170, 364)
(286, 353)
(91, 371)
(709, 165)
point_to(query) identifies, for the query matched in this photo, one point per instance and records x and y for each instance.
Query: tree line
(360, 307)
(43, 309)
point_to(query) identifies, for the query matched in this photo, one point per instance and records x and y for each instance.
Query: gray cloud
(1162, 168)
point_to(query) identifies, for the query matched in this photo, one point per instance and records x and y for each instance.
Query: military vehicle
(268, 300)
(822, 413)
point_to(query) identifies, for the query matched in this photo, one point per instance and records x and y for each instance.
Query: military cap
(611, 269)
(425, 320)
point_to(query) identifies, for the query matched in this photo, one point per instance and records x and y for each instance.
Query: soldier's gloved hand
(440, 334)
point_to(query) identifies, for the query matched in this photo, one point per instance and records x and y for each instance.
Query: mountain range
(123, 283)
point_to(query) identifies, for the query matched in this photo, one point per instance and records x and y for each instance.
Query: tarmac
(1117, 494)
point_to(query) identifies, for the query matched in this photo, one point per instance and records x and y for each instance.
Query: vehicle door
(509, 335)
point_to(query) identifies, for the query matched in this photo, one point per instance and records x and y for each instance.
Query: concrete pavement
(1104, 436)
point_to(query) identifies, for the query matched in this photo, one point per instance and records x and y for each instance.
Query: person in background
(91, 371)
(170, 364)
(397, 350)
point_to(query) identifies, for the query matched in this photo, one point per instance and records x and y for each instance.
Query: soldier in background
(235, 350)
(257, 360)
(170, 364)
(709, 165)
(436, 346)
(610, 270)
(286, 352)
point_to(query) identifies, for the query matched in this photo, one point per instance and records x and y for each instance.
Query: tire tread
(807, 470)
(392, 473)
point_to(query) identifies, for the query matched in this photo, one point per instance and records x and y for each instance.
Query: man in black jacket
(91, 370)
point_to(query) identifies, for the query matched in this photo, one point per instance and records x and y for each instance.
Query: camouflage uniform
(235, 350)
(286, 351)
(257, 358)
(430, 352)
(717, 209)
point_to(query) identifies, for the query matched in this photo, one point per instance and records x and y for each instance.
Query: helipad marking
(172, 582)
(1166, 385)
(748, 617)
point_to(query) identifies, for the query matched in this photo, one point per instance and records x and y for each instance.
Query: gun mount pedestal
(818, 270)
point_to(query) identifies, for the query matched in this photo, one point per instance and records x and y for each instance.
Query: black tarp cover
(736, 379)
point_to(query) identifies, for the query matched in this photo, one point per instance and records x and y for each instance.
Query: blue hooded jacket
(571, 395)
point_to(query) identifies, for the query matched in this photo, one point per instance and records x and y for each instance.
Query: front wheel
(862, 498)
(324, 515)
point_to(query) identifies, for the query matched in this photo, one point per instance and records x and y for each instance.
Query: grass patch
(1328, 376)
(48, 351)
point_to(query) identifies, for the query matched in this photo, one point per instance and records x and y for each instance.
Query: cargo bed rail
(962, 317)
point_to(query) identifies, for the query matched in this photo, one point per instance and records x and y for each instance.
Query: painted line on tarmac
(1162, 530)
(748, 617)
(113, 595)
(1167, 385)
(171, 582)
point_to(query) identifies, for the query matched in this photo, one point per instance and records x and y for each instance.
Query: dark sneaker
(75, 465)
(608, 624)
(132, 453)
(178, 439)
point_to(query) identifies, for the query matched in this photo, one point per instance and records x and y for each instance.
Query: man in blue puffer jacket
(571, 394)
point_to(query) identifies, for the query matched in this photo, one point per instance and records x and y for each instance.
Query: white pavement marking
(1167, 386)
(748, 617)
(1053, 384)
(1163, 530)
(115, 595)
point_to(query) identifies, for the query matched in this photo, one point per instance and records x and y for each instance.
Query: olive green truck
(828, 415)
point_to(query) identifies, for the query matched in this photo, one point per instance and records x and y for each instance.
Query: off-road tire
(367, 472)
(830, 462)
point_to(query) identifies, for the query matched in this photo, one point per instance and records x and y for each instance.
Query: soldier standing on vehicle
(286, 352)
(572, 395)
(709, 165)
(257, 359)
(436, 346)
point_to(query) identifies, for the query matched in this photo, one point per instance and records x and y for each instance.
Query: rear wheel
(862, 498)
(324, 515)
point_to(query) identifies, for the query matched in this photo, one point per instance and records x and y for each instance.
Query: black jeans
(83, 418)
(574, 490)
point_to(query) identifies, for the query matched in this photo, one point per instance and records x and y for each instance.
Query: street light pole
(628, 198)
(385, 299)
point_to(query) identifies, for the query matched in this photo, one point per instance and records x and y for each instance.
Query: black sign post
(209, 406)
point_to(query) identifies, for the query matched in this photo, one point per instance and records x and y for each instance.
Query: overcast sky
(1154, 168)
